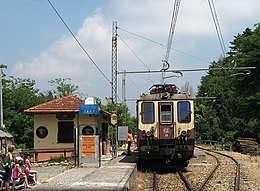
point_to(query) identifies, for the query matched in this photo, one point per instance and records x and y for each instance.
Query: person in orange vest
(129, 140)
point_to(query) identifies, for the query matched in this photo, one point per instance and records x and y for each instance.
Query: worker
(129, 140)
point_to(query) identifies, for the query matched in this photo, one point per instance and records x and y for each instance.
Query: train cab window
(147, 112)
(166, 113)
(184, 112)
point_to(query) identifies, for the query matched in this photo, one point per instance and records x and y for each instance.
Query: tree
(18, 95)
(62, 88)
(237, 94)
(121, 109)
(245, 50)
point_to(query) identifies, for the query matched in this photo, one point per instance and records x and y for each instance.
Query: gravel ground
(250, 170)
(197, 171)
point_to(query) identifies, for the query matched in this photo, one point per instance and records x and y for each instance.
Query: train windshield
(184, 112)
(166, 113)
(147, 112)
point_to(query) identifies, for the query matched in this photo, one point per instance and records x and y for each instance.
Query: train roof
(165, 92)
(163, 96)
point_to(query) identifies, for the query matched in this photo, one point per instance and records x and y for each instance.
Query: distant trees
(235, 110)
(61, 88)
(121, 110)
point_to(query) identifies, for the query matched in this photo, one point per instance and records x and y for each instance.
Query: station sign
(89, 109)
(89, 150)
(122, 133)
(114, 119)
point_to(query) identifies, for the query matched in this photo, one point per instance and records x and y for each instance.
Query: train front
(166, 130)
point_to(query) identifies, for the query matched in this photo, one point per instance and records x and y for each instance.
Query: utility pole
(124, 98)
(114, 63)
(114, 84)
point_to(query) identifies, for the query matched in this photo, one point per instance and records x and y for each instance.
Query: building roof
(64, 104)
(68, 104)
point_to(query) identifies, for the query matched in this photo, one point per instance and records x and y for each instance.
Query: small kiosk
(55, 123)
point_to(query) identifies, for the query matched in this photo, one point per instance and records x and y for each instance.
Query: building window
(184, 112)
(65, 132)
(147, 112)
(41, 132)
(166, 113)
(87, 130)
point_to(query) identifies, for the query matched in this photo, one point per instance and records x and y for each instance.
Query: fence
(45, 155)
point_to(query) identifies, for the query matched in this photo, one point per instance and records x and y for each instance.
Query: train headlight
(184, 133)
(148, 133)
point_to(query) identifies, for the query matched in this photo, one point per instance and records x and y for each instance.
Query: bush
(61, 158)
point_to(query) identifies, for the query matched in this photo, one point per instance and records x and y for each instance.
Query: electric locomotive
(165, 127)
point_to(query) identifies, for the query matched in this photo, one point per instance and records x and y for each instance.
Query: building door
(65, 131)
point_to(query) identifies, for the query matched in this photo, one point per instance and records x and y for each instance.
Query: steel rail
(187, 184)
(237, 176)
(212, 172)
(154, 181)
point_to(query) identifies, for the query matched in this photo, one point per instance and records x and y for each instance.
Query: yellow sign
(88, 146)
(114, 119)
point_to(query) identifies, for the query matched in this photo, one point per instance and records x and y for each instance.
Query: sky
(35, 44)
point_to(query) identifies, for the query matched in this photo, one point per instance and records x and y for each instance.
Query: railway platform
(113, 174)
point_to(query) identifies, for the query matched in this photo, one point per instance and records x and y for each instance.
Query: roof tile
(65, 104)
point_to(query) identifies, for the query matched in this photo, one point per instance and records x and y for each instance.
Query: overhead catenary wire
(217, 26)
(75, 38)
(133, 52)
(133, 82)
(172, 28)
(175, 12)
(163, 45)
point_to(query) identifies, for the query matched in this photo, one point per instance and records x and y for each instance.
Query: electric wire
(175, 12)
(75, 38)
(172, 28)
(133, 52)
(217, 26)
(133, 82)
(161, 44)
(141, 76)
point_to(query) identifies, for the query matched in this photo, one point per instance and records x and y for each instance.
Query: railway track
(223, 174)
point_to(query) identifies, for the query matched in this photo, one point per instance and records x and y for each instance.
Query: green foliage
(18, 95)
(60, 158)
(121, 111)
(234, 109)
(21, 146)
(62, 88)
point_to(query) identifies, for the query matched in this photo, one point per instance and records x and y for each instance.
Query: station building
(58, 121)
